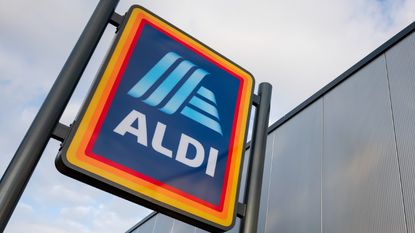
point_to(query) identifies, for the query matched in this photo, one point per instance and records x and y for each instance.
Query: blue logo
(173, 109)
(201, 107)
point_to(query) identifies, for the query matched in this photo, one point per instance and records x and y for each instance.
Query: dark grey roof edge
(144, 220)
(372, 56)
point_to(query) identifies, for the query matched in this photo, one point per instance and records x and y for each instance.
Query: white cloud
(77, 213)
(40, 28)
(114, 215)
(68, 195)
(44, 228)
(24, 208)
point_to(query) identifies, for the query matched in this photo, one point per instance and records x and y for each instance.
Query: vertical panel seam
(321, 163)
(172, 227)
(155, 223)
(396, 142)
(270, 179)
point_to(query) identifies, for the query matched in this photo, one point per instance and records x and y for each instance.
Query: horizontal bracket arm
(241, 210)
(256, 100)
(116, 19)
(60, 132)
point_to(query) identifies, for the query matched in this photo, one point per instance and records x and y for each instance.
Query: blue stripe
(208, 94)
(184, 91)
(204, 106)
(169, 83)
(202, 119)
(153, 75)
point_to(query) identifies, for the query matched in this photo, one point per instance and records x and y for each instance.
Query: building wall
(344, 161)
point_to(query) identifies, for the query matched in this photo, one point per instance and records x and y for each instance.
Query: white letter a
(126, 126)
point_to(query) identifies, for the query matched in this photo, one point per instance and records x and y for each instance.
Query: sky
(298, 46)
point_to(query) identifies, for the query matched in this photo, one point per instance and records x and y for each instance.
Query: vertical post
(249, 223)
(21, 167)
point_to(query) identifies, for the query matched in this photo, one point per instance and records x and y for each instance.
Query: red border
(105, 110)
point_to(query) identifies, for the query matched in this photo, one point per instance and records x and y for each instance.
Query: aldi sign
(164, 124)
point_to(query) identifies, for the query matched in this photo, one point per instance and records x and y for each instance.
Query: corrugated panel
(401, 71)
(181, 227)
(294, 194)
(147, 227)
(242, 185)
(361, 184)
(236, 227)
(163, 224)
(266, 181)
(200, 231)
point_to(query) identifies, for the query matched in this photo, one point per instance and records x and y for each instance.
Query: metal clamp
(60, 132)
(256, 100)
(116, 19)
(241, 210)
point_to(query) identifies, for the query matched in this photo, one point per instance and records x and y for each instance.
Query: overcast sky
(297, 45)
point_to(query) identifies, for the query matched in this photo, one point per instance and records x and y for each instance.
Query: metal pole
(249, 223)
(21, 167)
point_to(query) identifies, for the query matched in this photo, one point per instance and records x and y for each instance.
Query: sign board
(164, 124)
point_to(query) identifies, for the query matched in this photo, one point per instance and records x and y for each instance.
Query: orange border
(76, 151)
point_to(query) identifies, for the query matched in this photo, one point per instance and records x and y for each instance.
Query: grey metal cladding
(361, 184)
(146, 227)
(197, 230)
(294, 203)
(401, 71)
(263, 208)
(181, 227)
(162, 224)
(236, 228)
(242, 184)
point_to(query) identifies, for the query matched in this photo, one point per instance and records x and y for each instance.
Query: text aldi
(164, 124)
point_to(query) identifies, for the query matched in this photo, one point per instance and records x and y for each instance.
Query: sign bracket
(256, 100)
(241, 210)
(60, 132)
(116, 19)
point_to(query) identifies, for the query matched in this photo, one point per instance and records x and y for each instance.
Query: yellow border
(76, 151)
